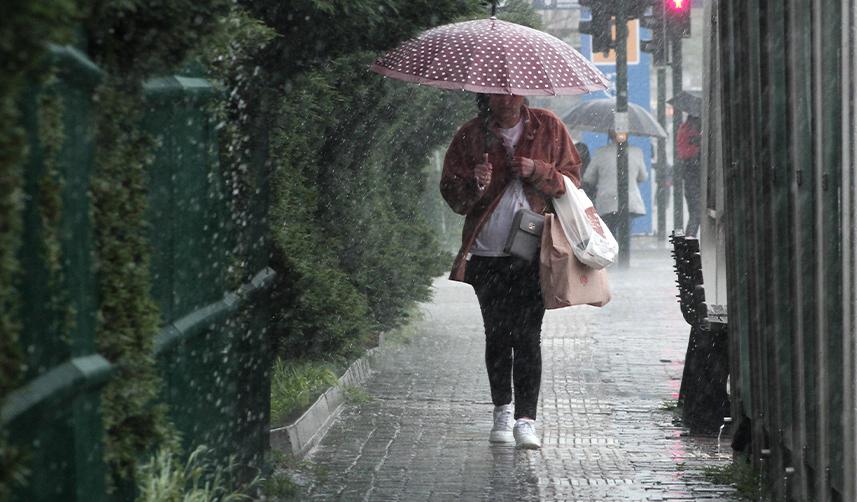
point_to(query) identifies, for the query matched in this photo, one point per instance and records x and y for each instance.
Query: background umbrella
(689, 102)
(493, 57)
(597, 115)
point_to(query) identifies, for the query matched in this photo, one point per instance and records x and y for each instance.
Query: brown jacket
(544, 139)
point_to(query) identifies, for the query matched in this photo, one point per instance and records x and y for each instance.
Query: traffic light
(653, 15)
(677, 13)
(657, 47)
(653, 19)
(599, 26)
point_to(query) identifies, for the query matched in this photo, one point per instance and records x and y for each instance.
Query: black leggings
(512, 310)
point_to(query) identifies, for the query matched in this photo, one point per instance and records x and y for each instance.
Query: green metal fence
(786, 102)
(212, 350)
(54, 416)
(215, 368)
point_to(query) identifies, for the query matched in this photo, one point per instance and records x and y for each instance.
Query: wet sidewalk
(609, 376)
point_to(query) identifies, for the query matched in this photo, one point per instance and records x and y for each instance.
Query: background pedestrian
(688, 150)
(601, 173)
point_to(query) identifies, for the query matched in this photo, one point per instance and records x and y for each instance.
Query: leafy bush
(142, 38)
(128, 319)
(342, 151)
(316, 31)
(132, 40)
(349, 151)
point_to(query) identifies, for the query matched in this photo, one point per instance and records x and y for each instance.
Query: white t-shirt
(492, 237)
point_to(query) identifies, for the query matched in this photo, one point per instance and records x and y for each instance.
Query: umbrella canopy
(689, 102)
(597, 115)
(493, 57)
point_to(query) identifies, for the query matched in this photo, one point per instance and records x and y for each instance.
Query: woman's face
(506, 108)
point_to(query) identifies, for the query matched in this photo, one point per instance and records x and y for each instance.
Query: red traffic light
(678, 5)
(677, 14)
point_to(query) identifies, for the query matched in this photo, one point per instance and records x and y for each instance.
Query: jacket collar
(531, 124)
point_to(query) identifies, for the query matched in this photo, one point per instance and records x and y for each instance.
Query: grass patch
(356, 395)
(739, 474)
(296, 384)
(291, 477)
(165, 478)
(402, 335)
(670, 405)
(281, 487)
(673, 407)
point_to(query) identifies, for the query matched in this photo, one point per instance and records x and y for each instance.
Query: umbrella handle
(493, 8)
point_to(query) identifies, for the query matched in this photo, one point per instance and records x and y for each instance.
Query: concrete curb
(305, 432)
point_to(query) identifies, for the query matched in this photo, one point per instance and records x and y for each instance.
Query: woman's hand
(522, 166)
(482, 172)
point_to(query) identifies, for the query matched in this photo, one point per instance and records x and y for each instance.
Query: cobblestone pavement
(608, 374)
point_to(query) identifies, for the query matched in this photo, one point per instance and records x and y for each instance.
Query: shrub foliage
(348, 150)
(329, 156)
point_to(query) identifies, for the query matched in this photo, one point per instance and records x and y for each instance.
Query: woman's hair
(482, 105)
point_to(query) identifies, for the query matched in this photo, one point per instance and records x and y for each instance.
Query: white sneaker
(502, 430)
(525, 434)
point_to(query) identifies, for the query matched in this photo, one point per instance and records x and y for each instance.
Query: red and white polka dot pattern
(492, 56)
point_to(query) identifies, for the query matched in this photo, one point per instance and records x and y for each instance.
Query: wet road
(608, 375)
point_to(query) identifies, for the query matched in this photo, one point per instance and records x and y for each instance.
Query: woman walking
(508, 158)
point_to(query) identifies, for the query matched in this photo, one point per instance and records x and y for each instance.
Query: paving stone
(606, 374)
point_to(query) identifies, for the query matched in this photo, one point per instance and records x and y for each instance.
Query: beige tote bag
(564, 280)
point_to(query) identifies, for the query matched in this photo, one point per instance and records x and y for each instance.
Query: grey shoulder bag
(525, 235)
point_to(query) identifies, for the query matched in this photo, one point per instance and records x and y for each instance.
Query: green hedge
(352, 241)
(349, 150)
(350, 246)
(130, 41)
(341, 151)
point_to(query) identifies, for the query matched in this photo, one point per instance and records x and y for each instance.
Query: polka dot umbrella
(492, 57)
